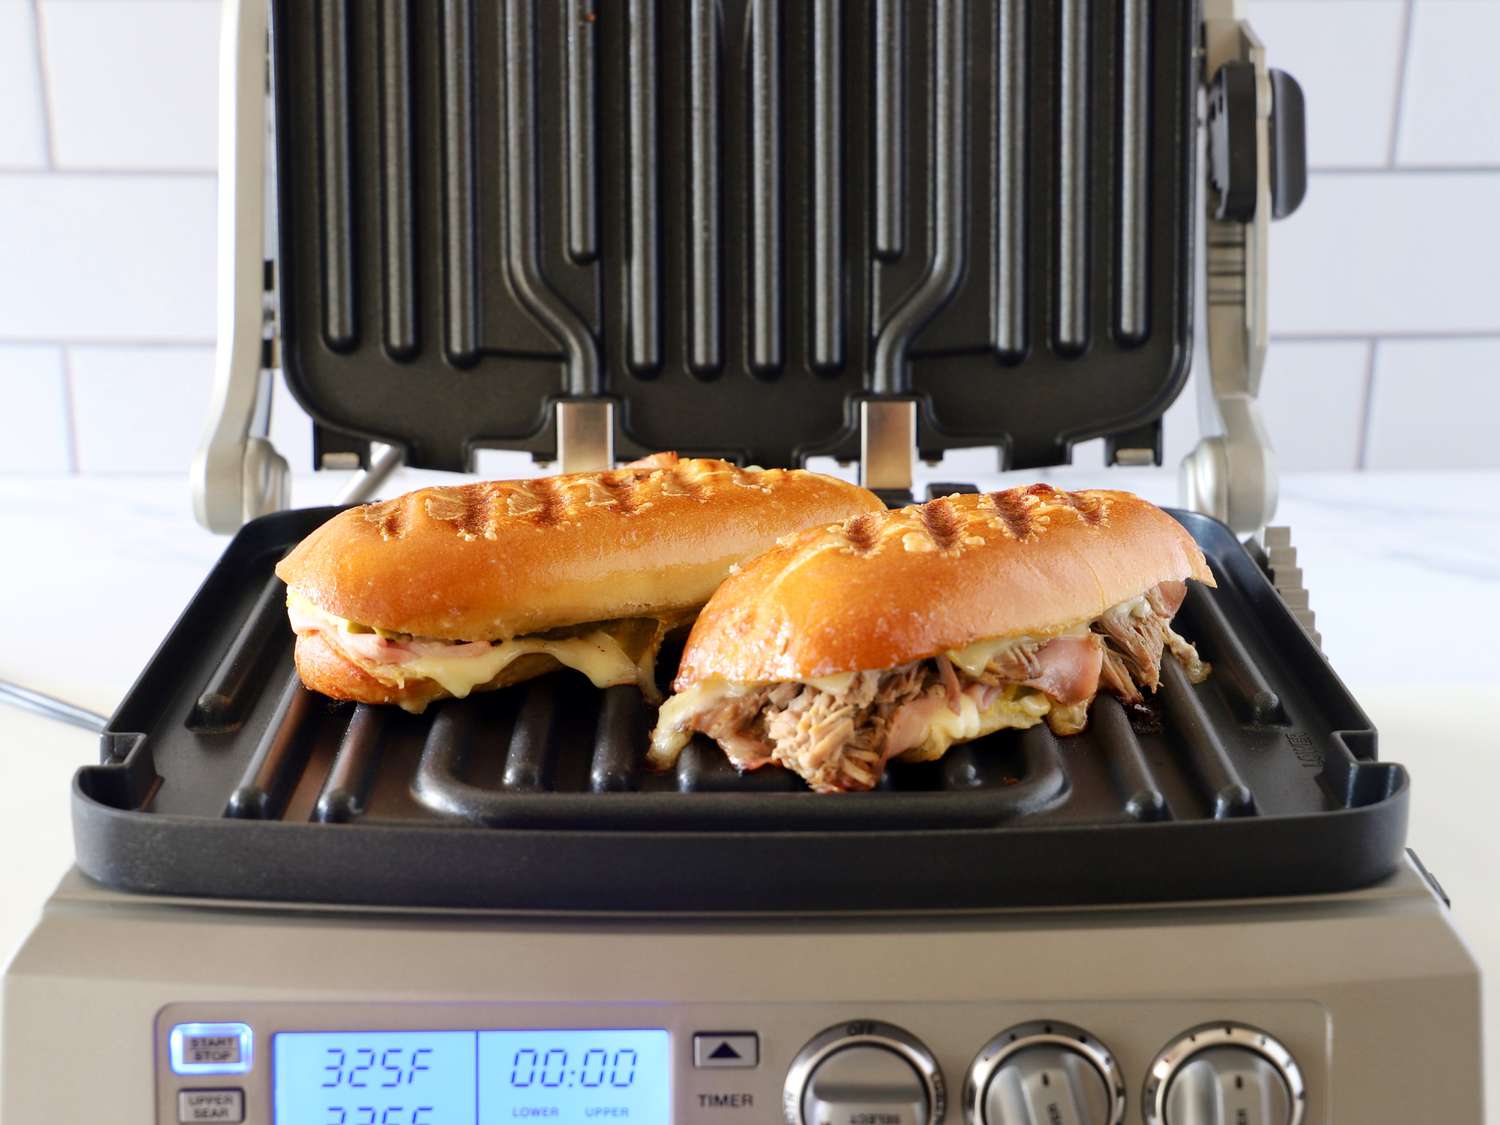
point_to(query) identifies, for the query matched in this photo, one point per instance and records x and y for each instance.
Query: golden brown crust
(506, 558)
(324, 668)
(882, 589)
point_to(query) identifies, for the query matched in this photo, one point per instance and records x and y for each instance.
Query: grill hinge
(1232, 474)
(237, 474)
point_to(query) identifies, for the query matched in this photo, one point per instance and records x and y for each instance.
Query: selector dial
(864, 1073)
(1224, 1074)
(1044, 1073)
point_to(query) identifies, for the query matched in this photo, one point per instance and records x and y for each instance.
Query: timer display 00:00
(553, 1071)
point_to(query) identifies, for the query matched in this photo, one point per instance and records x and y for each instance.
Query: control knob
(864, 1073)
(1224, 1074)
(1044, 1073)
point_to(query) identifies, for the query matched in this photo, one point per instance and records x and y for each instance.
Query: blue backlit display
(472, 1077)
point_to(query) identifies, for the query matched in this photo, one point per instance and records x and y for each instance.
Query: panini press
(873, 230)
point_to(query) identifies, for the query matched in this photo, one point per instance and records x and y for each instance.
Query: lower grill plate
(223, 777)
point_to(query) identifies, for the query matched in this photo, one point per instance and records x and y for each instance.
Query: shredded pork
(838, 734)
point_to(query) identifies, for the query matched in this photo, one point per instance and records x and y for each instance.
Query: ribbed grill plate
(734, 217)
(224, 776)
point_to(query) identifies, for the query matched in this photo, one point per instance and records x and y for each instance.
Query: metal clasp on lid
(887, 444)
(585, 435)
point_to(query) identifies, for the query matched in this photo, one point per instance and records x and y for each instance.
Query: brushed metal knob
(1044, 1073)
(1224, 1074)
(863, 1072)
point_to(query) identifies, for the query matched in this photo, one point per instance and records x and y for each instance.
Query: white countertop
(1403, 569)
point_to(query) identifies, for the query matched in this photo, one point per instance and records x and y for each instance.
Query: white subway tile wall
(109, 257)
(23, 133)
(1346, 54)
(157, 62)
(1384, 314)
(1434, 403)
(34, 390)
(1453, 85)
(117, 395)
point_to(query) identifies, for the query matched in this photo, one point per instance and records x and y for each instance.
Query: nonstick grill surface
(223, 776)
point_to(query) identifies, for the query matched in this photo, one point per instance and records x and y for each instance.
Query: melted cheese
(1016, 707)
(836, 685)
(597, 654)
(974, 658)
(672, 731)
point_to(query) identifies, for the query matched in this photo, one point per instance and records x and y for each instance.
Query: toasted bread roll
(885, 588)
(448, 590)
(899, 634)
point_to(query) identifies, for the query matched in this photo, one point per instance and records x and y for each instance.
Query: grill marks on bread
(941, 521)
(947, 524)
(552, 505)
(1014, 510)
(476, 515)
(952, 523)
(1089, 506)
(475, 511)
(862, 532)
(624, 489)
(389, 517)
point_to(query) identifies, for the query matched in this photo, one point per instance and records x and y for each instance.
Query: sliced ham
(372, 648)
(1068, 668)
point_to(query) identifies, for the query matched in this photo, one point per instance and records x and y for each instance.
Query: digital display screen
(471, 1077)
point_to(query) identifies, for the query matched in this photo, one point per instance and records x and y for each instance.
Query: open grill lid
(733, 219)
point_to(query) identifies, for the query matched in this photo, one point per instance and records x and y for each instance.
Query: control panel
(1162, 1063)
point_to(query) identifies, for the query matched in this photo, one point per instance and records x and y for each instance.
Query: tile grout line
(105, 342)
(103, 172)
(1403, 61)
(1353, 336)
(70, 409)
(1367, 409)
(1403, 170)
(44, 88)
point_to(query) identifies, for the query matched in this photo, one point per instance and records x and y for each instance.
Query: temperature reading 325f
(365, 1068)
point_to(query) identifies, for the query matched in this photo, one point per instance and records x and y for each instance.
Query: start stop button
(210, 1048)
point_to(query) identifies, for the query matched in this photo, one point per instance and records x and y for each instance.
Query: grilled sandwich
(446, 591)
(898, 634)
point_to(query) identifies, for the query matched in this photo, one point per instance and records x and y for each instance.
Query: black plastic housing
(223, 777)
(735, 218)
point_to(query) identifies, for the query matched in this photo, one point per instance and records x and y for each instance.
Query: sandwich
(450, 590)
(898, 634)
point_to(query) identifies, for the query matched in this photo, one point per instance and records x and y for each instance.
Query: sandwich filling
(839, 731)
(609, 653)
